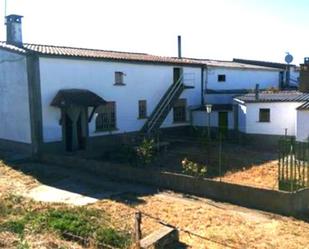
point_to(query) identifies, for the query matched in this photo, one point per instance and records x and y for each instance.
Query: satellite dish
(288, 58)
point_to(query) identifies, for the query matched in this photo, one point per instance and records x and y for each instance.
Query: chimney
(13, 30)
(304, 76)
(179, 46)
(257, 92)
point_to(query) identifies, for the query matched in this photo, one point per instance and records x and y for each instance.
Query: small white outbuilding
(274, 114)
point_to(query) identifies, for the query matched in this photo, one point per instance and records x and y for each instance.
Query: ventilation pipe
(179, 46)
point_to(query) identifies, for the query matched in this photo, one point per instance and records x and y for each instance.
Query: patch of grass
(14, 226)
(83, 222)
(75, 221)
(112, 237)
(19, 215)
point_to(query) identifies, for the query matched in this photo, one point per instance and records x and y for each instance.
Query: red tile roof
(50, 50)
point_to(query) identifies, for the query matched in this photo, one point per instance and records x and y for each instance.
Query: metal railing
(163, 104)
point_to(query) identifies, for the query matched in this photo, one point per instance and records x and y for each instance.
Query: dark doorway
(223, 123)
(68, 133)
(177, 74)
(74, 131)
(80, 137)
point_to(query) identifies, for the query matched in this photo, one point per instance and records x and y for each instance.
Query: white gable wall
(241, 78)
(282, 116)
(14, 98)
(302, 132)
(143, 82)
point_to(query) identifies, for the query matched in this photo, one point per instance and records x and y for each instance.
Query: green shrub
(77, 222)
(111, 237)
(145, 151)
(192, 168)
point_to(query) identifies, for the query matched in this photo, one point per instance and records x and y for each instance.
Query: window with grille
(221, 78)
(264, 115)
(106, 119)
(119, 78)
(142, 109)
(179, 111)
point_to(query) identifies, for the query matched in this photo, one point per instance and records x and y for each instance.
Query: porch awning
(77, 97)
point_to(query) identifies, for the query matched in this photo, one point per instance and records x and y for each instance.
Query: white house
(63, 98)
(302, 127)
(223, 81)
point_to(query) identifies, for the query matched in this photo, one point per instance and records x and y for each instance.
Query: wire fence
(293, 169)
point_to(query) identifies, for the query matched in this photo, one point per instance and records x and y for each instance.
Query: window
(119, 78)
(265, 115)
(180, 111)
(221, 78)
(106, 119)
(142, 109)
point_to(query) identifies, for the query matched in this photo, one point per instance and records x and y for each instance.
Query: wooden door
(223, 123)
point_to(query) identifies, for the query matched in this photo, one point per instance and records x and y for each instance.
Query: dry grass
(223, 225)
(263, 176)
(13, 181)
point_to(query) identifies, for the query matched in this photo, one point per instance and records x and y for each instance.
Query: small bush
(145, 151)
(111, 237)
(193, 169)
(76, 222)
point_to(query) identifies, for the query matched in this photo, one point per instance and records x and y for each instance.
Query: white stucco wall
(282, 116)
(219, 98)
(241, 78)
(242, 112)
(302, 130)
(143, 82)
(200, 118)
(14, 99)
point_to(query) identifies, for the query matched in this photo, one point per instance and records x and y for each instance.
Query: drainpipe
(202, 86)
(257, 92)
(203, 83)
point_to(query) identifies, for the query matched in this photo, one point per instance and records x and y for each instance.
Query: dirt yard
(203, 223)
(239, 164)
(264, 175)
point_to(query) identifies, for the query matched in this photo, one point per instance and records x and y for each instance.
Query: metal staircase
(165, 105)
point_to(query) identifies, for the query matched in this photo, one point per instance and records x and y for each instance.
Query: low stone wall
(280, 202)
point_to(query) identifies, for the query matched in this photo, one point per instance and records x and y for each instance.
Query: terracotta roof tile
(50, 50)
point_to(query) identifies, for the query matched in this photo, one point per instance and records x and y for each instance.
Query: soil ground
(203, 222)
(240, 164)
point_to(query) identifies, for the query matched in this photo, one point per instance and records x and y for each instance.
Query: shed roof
(77, 97)
(304, 107)
(281, 96)
(264, 63)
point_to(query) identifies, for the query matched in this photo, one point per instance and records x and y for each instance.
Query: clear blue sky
(217, 29)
